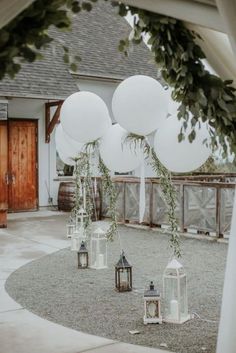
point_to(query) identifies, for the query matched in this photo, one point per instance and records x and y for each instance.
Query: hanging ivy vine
(83, 171)
(179, 58)
(174, 49)
(110, 191)
(167, 187)
(23, 38)
(83, 186)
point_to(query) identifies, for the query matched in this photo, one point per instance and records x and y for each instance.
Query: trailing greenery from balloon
(174, 49)
(167, 187)
(83, 171)
(179, 58)
(110, 191)
(83, 186)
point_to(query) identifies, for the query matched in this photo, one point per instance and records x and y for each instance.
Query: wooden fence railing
(202, 206)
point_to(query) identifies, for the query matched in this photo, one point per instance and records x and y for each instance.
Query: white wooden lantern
(70, 228)
(175, 293)
(79, 234)
(98, 250)
(152, 306)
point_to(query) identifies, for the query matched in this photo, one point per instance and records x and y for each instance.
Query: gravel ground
(85, 300)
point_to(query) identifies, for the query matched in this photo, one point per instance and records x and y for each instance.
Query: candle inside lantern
(101, 260)
(124, 285)
(174, 309)
(83, 261)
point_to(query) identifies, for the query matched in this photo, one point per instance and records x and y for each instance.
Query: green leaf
(73, 67)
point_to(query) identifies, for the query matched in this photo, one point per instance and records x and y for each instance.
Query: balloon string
(142, 195)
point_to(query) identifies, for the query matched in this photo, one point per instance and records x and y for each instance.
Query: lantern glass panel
(183, 297)
(171, 298)
(98, 252)
(70, 229)
(83, 259)
(152, 308)
(124, 279)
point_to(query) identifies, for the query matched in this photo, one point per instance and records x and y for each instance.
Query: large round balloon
(66, 145)
(65, 158)
(84, 116)
(181, 157)
(139, 104)
(118, 155)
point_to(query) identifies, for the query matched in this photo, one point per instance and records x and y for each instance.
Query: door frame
(35, 121)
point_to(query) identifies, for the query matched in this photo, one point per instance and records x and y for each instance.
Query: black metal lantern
(123, 274)
(82, 256)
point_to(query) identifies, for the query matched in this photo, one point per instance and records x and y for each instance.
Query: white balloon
(139, 104)
(65, 158)
(84, 116)
(65, 145)
(118, 155)
(181, 157)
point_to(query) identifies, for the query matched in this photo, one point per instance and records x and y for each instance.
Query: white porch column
(227, 9)
(227, 332)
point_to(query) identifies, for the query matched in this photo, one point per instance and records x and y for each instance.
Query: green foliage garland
(173, 46)
(179, 58)
(167, 187)
(22, 39)
(82, 171)
(109, 189)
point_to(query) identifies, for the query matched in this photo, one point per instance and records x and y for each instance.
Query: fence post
(151, 206)
(181, 207)
(218, 209)
(124, 201)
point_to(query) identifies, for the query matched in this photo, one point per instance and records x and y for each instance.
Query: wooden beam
(201, 14)
(11, 8)
(51, 123)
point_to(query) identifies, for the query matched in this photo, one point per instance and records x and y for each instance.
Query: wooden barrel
(66, 194)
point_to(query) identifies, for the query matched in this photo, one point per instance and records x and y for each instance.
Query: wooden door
(23, 166)
(3, 174)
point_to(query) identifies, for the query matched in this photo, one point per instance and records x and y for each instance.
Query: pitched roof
(95, 37)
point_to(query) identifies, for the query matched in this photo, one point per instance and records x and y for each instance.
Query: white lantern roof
(123, 262)
(83, 248)
(174, 265)
(81, 211)
(99, 231)
(151, 292)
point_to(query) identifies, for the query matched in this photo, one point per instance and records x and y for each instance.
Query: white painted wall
(27, 108)
(103, 89)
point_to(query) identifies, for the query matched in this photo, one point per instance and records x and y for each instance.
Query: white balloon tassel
(142, 198)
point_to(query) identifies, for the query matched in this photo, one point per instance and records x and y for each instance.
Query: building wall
(27, 108)
(103, 89)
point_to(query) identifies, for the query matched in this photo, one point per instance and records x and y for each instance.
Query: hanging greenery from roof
(179, 58)
(175, 52)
